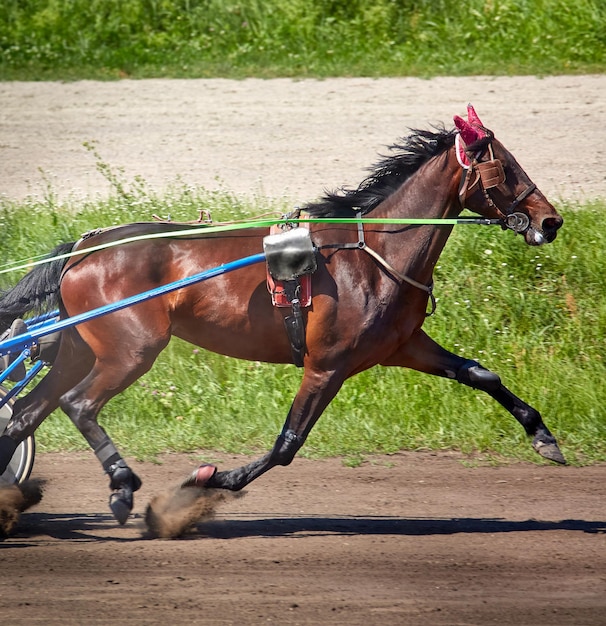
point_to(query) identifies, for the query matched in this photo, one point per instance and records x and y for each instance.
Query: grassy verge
(535, 315)
(108, 39)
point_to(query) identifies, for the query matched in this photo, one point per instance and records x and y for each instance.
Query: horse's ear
(468, 133)
(472, 129)
(472, 117)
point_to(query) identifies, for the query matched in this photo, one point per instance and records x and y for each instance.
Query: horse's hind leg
(30, 410)
(125, 345)
(123, 482)
(423, 354)
(62, 387)
(82, 404)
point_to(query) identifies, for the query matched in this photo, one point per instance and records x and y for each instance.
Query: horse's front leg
(317, 389)
(423, 354)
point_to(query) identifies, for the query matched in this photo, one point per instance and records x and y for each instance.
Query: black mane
(387, 175)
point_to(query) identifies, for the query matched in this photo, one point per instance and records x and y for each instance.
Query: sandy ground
(286, 138)
(414, 538)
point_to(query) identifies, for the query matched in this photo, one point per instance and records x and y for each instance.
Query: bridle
(488, 175)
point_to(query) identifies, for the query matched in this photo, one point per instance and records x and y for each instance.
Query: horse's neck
(432, 193)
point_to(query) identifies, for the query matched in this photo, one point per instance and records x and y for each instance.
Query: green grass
(535, 315)
(108, 39)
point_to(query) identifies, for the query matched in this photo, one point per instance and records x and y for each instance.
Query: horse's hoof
(120, 508)
(549, 451)
(200, 476)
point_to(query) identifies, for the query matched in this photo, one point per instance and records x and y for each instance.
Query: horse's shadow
(78, 527)
(304, 526)
(94, 527)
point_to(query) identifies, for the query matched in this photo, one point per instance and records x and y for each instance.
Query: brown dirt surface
(412, 538)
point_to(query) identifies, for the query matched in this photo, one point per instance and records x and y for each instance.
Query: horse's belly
(246, 327)
(242, 345)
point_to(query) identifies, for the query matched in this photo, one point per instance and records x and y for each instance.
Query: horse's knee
(286, 447)
(472, 374)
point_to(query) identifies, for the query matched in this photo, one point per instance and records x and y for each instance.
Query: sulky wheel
(21, 464)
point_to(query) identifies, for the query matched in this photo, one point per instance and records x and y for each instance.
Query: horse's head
(495, 186)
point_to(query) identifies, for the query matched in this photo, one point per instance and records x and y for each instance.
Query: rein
(488, 174)
(229, 226)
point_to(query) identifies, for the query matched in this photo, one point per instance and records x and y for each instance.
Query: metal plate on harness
(290, 254)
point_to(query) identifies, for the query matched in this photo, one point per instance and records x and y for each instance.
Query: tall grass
(535, 315)
(41, 39)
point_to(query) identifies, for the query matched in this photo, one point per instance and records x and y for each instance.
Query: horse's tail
(37, 291)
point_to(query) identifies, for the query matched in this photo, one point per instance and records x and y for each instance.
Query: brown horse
(370, 295)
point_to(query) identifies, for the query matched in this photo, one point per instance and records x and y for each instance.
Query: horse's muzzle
(546, 233)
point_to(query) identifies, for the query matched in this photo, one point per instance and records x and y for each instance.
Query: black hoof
(123, 482)
(120, 507)
(549, 451)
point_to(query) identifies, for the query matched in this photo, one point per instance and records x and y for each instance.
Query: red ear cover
(473, 119)
(468, 134)
(472, 129)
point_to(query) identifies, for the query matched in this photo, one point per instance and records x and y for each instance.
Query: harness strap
(399, 276)
(522, 196)
(428, 289)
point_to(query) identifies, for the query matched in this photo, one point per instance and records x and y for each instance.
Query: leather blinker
(491, 173)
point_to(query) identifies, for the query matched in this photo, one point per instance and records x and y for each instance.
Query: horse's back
(231, 314)
(100, 236)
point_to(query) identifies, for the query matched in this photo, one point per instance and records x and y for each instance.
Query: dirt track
(409, 539)
(412, 539)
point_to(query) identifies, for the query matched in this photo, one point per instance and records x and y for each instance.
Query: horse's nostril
(551, 224)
